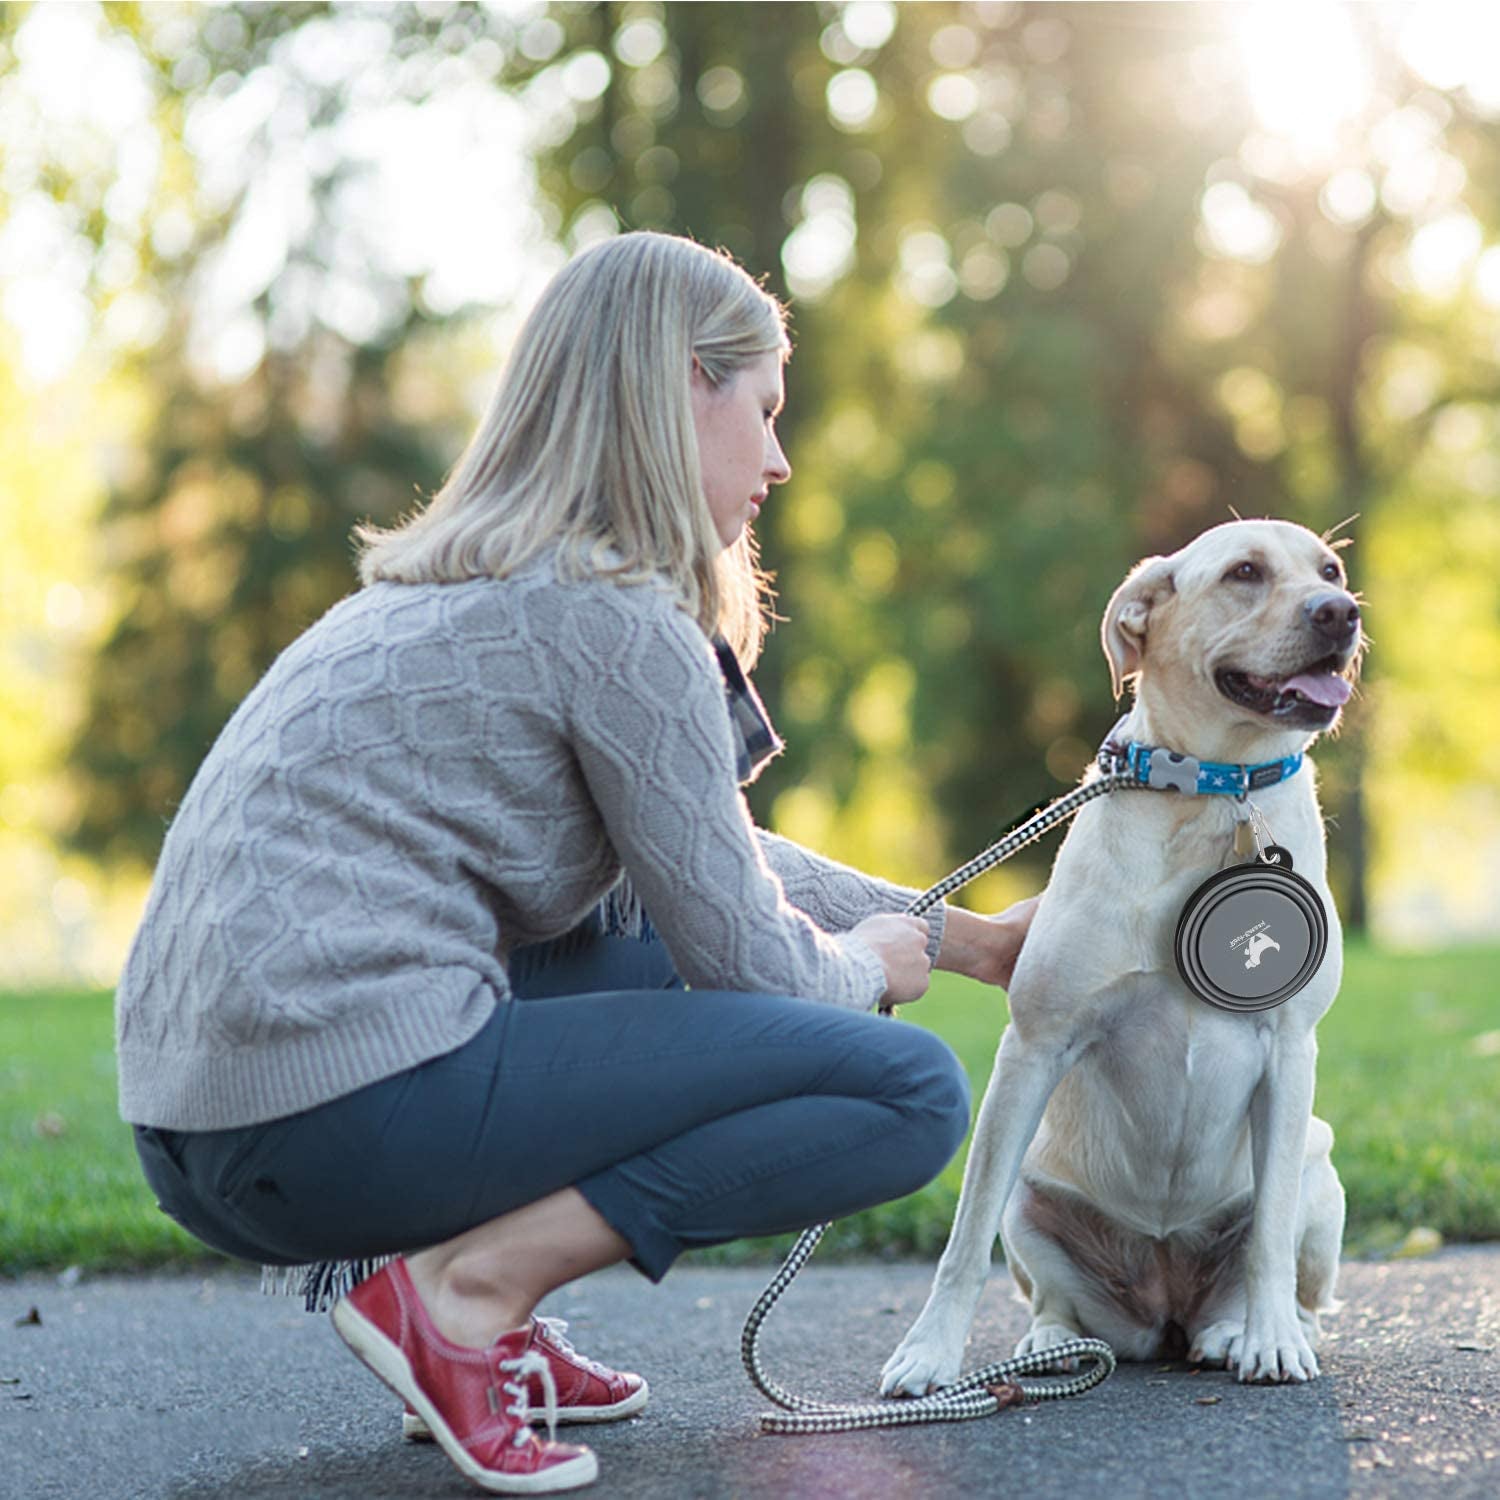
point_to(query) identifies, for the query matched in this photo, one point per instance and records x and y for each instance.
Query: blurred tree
(229, 540)
(1307, 309)
(227, 529)
(1062, 298)
(984, 232)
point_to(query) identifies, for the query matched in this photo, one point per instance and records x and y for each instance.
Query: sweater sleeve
(650, 727)
(838, 897)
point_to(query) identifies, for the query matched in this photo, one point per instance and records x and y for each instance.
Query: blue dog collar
(1167, 771)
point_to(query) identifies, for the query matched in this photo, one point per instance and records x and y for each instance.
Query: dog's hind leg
(1216, 1331)
(1043, 1275)
(1218, 1342)
(1042, 1272)
(1082, 1275)
(1320, 1231)
(932, 1352)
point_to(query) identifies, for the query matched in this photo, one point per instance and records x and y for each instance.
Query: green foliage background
(1037, 359)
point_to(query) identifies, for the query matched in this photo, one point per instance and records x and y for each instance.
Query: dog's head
(1250, 630)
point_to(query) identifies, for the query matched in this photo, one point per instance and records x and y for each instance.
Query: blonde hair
(589, 443)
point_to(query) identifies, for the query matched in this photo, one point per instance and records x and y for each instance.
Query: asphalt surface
(180, 1387)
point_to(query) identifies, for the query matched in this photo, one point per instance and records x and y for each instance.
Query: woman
(412, 822)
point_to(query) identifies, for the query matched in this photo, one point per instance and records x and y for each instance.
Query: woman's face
(737, 446)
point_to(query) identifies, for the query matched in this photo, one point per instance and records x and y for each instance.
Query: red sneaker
(586, 1390)
(473, 1401)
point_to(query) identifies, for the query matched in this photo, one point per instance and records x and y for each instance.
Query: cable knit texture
(428, 777)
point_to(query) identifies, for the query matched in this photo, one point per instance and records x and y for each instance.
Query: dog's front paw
(1044, 1336)
(1275, 1350)
(929, 1356)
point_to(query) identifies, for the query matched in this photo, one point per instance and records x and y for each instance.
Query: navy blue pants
(686, 1118)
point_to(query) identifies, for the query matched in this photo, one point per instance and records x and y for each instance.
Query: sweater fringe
(622, 914)
(321, 1283)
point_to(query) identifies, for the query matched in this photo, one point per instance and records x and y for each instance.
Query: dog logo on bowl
(1258, 945)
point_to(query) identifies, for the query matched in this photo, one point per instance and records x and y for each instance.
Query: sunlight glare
(1441, 253)
(1455, 46)
(1306, 71)
(1487, 277)
(1236, 226)
(74, 90)
(820, 249)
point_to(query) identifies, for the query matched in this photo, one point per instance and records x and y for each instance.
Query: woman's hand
(986, 948)
(900, 943)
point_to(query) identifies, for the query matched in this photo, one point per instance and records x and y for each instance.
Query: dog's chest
(1154, 1117)
(1167, 1068)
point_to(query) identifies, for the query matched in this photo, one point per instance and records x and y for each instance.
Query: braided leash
(1018, 838)
(993, 1387)
(977, 1394)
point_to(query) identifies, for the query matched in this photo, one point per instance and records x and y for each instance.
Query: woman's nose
(778, 470)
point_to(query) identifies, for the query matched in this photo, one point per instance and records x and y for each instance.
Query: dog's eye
(1245, 572)
(1333, 573)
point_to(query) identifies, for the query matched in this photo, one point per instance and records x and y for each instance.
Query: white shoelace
(557, 1334)
(522, 1366)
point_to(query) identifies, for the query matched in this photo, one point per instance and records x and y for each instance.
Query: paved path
(183, 1387)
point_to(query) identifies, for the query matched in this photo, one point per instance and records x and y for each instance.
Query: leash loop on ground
(995, 1386)
(977, 1394)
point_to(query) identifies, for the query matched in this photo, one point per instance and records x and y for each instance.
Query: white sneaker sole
(414, 1429)
(385, 1359)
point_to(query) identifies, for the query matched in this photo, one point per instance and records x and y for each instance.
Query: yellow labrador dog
(1152, 1162)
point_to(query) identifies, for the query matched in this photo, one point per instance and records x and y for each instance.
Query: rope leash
(994, 1386)
(978, 1394)
(1018, 838)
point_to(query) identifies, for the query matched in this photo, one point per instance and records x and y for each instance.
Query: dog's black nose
(1335, 616)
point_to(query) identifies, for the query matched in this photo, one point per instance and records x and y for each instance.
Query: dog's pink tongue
(1319, 687)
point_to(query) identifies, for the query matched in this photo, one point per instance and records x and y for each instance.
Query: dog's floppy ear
(1124, 630)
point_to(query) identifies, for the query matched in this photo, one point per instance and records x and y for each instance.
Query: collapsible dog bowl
(1251, 936)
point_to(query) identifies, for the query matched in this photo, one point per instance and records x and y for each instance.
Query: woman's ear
(1124, 630)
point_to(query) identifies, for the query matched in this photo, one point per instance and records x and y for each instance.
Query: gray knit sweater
(428, 777)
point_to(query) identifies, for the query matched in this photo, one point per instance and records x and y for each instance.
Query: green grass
(1409, 1077)
(71, 1192)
